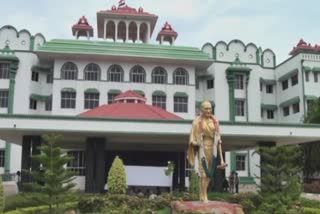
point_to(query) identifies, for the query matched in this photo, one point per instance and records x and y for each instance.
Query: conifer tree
(117, 178)
(280, 178)
(53, 181)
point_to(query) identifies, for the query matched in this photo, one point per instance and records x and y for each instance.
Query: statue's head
(206, 108)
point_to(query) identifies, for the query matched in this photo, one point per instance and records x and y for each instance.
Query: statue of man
(202, 151)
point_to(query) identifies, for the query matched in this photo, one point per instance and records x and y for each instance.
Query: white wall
(104, 86)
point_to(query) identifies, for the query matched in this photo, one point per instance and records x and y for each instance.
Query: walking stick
(222, 165)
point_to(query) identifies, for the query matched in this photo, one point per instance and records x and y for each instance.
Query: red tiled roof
(130, 111)
(167, 30)
(82, 24)
(130, 95)
(302, 46)
(126, 10)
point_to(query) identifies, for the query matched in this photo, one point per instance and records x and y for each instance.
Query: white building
(46, 86)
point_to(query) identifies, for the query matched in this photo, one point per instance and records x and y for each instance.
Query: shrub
(117, 179)
(43, 209)
(91, 204)
(309, 210)
(194, 183)
(1, 196)
(309, 203)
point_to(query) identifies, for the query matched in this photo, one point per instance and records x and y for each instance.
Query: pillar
(182, 170)
(148, 32)
(95, 165)
(105, 29)
(127, 32)
(138, 32)
(116, 31)
(25, 160)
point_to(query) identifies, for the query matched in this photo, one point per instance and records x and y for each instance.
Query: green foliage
(249, 201)
(309, 203)
(91, 204)
(170, 168)
(280, 182)
(53, 182)
(309, 210)
(312, 150)
(194, 184)
(313, 115)
(117, 178)
(44, 209)
(2, 204)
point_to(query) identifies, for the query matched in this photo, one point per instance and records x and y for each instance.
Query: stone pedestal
(212, 207)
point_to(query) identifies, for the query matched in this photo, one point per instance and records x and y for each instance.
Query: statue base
(216, 207)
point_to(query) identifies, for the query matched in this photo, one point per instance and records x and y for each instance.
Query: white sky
(274, 24)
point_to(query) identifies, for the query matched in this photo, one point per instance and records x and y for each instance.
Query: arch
(223, 43)
(111, 29)
(180, 77)
(92, 72)
(143, 32)
(115, 73)
(137, 74)
(268, 50)
(133, 28)
(40, 35)
(236, 41)
(122, 30)
(159, 75)
(69, 71)
(213, 50)
(207, 44)
(251, 44)
(10, 27)
(24, 31)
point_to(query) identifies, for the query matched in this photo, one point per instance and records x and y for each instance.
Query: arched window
(137, 74)
(180, 77)
(159, 75)
(115, 73)
(69, 71)
(92, 72)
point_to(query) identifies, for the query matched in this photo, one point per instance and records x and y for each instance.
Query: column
(25, 160)
(182, 169)
(116, 31)
(77, 33)
(127, 31)
(88, 35)
(138, 32)
(161, 39)
(230, 80)
(173, 40)
(13, 72)
(7, 158)
(105, 29)
(95, 165)
(148, 32)
(35, 144)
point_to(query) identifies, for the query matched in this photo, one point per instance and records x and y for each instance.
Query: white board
(147, 176)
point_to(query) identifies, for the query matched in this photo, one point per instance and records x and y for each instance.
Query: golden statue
(204, 140)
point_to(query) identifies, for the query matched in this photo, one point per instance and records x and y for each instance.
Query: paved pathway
(312, 196)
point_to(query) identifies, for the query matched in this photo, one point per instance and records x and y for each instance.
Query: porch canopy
(171, 134)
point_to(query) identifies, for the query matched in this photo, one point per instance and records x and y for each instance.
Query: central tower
(125, 24)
